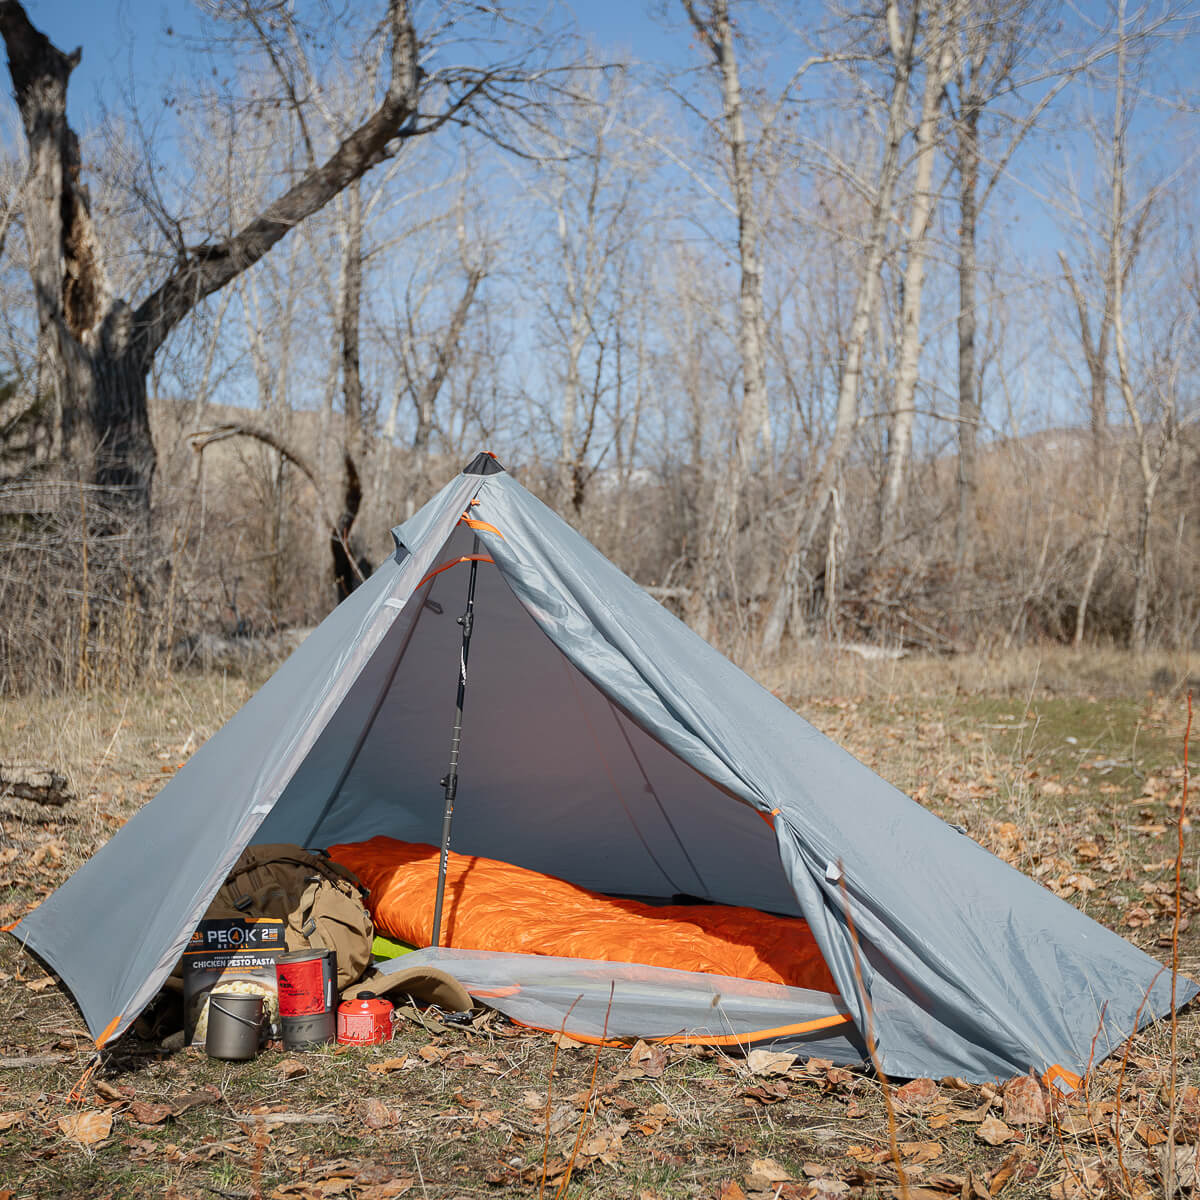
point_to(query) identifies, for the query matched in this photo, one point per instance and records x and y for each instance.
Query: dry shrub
(87, 599)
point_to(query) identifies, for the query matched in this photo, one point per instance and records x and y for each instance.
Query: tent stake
(450, 781)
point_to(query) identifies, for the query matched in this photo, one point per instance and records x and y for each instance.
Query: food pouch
(231, 955)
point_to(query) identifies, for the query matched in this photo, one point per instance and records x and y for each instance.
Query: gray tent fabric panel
(631, 1000)
(117, 926)
(959, 920)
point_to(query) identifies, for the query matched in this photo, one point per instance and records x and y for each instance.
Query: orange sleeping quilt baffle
(492, 905)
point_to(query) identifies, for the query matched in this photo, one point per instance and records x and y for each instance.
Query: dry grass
(1070, 766)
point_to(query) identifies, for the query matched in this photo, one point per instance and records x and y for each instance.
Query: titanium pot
(234, 1025)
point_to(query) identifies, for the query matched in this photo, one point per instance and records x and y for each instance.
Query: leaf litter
(477, 1111)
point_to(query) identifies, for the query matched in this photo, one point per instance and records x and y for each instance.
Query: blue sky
(145, 46)
(126, 40)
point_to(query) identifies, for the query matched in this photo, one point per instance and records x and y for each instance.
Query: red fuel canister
(364, 1021)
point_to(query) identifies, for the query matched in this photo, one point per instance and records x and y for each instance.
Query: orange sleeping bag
(492, 905)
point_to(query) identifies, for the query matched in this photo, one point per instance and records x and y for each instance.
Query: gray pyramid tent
(608, 745)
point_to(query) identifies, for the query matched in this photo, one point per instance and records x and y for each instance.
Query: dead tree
(96, 349)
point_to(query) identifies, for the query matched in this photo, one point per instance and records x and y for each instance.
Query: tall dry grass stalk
(869, 1035)
(81, 676)
(585, 1119)
(1178, 919)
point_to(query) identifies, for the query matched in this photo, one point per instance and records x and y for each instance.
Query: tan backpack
(320, 902)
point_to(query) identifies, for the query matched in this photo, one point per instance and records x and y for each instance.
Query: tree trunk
(94, 351)
(716, 538)
(969, 407)
(1102, 538)
(88, 376)
(937, 67)
(1140, 620)
(350, 565)
(810, 514)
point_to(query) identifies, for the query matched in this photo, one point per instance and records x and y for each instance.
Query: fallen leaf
(386, 1191)
(9, 1119)
(914, 1153)
(377, 1115)
(291, 1068)
(563, 1116)
(767, 1093)
(39, 985)
(565, 1042)
(106, 1091)
(946, 1183)
(190, 1100)
(1187, 1164)
(920, 1093)
(994, 1132)
(150, 1114)
(87, 1128)
(48, 854)
(731, 1190)
(534, 1100)
(1005, 1172)
(646, 1060)
(1148, 1134)
(388, 1064)
(604, 1146)
(1024, 1103)
(1083, 1181)
(970, 1116)
(1083, 1124)
(955, 1084)
(770, 1170)
(769, 1062)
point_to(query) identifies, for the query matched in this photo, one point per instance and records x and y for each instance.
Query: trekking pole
(450, 780)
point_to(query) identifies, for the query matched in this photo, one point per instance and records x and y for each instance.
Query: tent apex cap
(484, 463)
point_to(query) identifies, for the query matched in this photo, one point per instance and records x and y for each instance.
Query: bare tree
(95, 348)
(750, 161)
(591, 219)
(1149, 390)
(995, 43)
(937, 60)
(900, 37)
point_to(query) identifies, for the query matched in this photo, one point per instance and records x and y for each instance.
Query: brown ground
(1069, 766)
